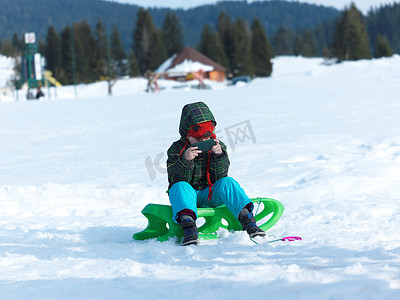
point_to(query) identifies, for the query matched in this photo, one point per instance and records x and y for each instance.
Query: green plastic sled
(161, 226)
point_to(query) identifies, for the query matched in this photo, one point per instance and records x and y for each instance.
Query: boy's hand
(216, 148)
(191, 153)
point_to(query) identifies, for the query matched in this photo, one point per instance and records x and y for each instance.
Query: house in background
(190, 64)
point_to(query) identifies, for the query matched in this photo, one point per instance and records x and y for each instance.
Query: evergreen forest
(116, 40)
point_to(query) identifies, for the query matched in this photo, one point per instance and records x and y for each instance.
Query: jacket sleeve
(179, 169)
(219, 165)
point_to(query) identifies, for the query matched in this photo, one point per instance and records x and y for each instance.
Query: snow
(6, 72)
(164, 66)
(191, 66)
(324, 140)
(6, 66)
(184, 67)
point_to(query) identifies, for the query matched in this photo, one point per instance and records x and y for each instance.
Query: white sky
(363, 5)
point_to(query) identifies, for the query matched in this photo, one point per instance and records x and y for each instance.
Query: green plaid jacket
(195, 171)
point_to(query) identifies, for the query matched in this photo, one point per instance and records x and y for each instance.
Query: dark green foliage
(304, 45)
(117, 54)
(386, 22)
(272, 14)
(351, 38)
(12, 47)
(172, 34)
(89, 50)
(286, 42)
(133, 65)
(207, 41)
(382, 48)
(225, 34)
(16, 14)
(323, 36)
(100, 54)
(18, 43)
(210, 45)
(282, 41)
(66, 74)
(261, 51)
(309, 30)
(242, 61)
(156, 53)
(298, 45)
(41, 46)
(147, 45)
(144, 28)
(85, 47)
(7, 48)
(38, 15)
(53, 52)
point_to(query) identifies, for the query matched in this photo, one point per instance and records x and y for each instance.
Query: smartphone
(205, 146)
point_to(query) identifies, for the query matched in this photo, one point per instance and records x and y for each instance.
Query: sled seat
(161, 225)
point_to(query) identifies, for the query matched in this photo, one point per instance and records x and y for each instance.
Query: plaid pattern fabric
(194, 113)
(195, 171)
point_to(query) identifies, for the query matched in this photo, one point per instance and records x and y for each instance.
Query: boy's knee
(227, 181)
(181, 185)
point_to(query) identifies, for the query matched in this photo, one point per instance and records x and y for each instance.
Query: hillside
(19, 16)
(75, 174)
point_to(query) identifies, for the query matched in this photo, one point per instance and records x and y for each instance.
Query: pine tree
(385, 21)
(41, 46)
(211, 46)
(172, 34)
(309, 48)
(133, 65)
(304, 44)
(13, 47)
(225, 34)
(117, 53)
(100, 55)
(261, 51)
(206, 40)
(148, 45)
(156, 53)
(298, 45)
(351, 38)
(322, 35)
(52, 51)
(282, 41)
(142, 38)
(18, 43)
(326, 53)
(85, 46)
(383, 48)
(7, 48)
(65, 75)
(242, 62)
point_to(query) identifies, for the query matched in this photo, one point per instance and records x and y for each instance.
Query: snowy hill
(324, 140)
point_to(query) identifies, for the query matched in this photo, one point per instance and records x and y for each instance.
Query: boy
(198, 179)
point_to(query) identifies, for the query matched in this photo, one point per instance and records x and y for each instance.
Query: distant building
(190, 64)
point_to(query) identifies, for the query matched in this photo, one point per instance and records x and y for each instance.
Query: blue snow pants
(224, 191)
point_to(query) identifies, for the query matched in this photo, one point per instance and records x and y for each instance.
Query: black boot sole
(191, 242)
(260, 233)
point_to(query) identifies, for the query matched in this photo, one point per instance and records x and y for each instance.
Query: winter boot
(249, 224)
(190, 230)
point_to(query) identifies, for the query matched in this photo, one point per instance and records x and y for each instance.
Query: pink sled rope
(288, 239)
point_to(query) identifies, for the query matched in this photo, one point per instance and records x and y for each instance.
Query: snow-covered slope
(324, 140)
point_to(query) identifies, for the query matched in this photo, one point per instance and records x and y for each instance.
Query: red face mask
(202, 130)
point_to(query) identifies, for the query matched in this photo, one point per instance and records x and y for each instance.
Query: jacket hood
(194, 113)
